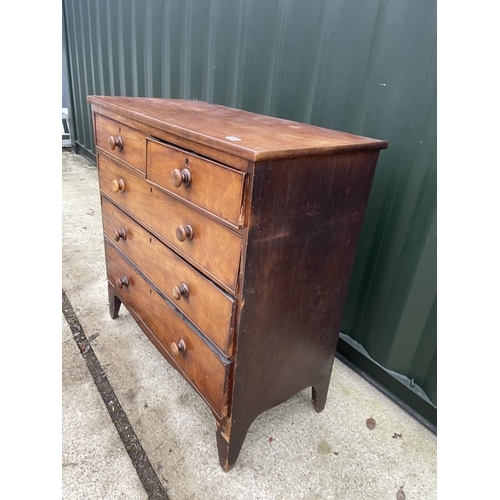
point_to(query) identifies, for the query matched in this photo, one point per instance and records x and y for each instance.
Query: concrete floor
(330, 455)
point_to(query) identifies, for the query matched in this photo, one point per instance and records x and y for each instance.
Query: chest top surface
(248, 135)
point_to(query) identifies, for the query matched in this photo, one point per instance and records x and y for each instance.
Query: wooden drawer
(206, 305)
(213, 247)
(198, 363)
(212, 186)
(129, 144)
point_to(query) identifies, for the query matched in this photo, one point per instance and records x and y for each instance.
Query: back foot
(319, 393)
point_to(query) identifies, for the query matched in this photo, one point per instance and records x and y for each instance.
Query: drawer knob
(121, 282)
(115, 142)
(118, 186)
(120, 233)
(183, 232)
(176, 348)
(180, 177)
(180, 291)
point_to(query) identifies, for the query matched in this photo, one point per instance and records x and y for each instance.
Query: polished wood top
(244, 134)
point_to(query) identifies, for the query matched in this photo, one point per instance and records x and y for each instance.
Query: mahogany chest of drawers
(230, 238)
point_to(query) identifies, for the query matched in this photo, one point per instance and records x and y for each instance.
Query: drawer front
(213, 247)
(198, 363)
(209, 185)
(129, 144)
(205, 304)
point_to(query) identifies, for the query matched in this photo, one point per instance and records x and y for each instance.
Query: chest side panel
(306, 217)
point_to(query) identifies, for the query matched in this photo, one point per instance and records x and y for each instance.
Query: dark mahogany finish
(266, 215)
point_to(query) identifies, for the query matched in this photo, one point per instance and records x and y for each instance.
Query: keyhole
(119, 130)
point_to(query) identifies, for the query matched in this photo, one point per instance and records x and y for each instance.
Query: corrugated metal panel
(362, 67)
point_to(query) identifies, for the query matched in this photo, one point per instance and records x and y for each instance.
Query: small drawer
(206, 243)
(211, 186)
(125, 143)
(204, 303)
(186, 351)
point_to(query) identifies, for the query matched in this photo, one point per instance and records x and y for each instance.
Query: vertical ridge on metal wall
(363, 67)
(165, 52)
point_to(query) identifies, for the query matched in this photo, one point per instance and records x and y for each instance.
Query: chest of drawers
(230, 238)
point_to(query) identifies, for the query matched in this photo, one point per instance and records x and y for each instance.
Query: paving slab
(93, 456)
(290, 452)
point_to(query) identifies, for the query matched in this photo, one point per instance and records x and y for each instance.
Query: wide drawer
(204, 303)
(125, 143)
(213, 247)
(207, 373)
(212, 186)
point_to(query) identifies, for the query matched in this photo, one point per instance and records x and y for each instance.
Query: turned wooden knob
(180, 177)
(183, 232)
(118, 186)
(180, 291)
(121, 282)
(115, 142)
(120, 233)
(176, 348)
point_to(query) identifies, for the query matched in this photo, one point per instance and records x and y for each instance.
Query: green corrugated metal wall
(366, 67)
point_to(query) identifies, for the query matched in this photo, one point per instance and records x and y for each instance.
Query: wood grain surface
(207, 306)
(133, 151)
(212, 186)
(214, 248)
(198, 363)
(244, 134)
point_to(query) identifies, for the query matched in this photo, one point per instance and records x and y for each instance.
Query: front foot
(114, 302)
(229, 446)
